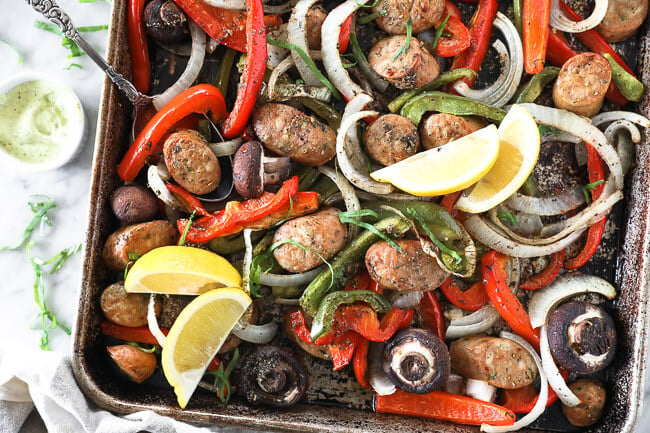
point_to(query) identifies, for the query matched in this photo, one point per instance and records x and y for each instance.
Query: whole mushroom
(252, 170)
(165, 22)
(582, 337)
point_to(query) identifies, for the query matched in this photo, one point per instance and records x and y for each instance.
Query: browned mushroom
(252, 170)
(165, 22)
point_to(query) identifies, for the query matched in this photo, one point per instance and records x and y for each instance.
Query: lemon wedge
(518, 152)
(448, 168)
(197, 335)
(180, 270)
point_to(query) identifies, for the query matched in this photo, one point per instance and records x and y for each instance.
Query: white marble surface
(68, 186)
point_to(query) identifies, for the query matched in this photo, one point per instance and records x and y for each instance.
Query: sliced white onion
(481, 321)
(480, 390)
(248, 260)
(610, 116)
(528, 224)
(540, 406)
(284, 280)
(152, 321)
(159, 188)
(287, 301)
(563, 23)
(275, 54)
(347, 191)
(555, 379)
(226, 148)
(558, 204)
(377, 378)
(488, 235)
(565, 286)
(280, 69)
(331, 30)
(194, 65)
(345, 148)
(257, 334)
(405, 298)
(297, 35)
(625, 149)
(503, 89)
(617, 125)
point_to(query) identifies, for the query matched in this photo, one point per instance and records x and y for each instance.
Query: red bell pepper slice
(226, 26)
(480, 31)
(140, 66)
(536, 17)
(444, 406)
(254, 68)
(360, 363)
(197, 99)
(187, 199)
(432, 316)
(363, 319)
(558, 50)
(471, 299)
(523, 400)
(596, 171)
(459, 40)
(550, 272)
(127, 333)
(236, 215)
(342, 349)
(449, 201)
(495, 279)
(344, 35)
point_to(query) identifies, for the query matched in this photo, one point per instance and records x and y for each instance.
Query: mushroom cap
(248, 174)
(416, 361)
(582, 337)
(165, 21)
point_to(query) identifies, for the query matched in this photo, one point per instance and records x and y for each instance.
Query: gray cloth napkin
(31, 378)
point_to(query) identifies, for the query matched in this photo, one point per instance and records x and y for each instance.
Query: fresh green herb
(152, 349)
(181, 241)
(507, 217)
(256, 264)
(350, 217)
(439, 31)
(437, 242)
(354, 60)
(68, 43)
(546, 129)
(12, 48)
(370, 6)
(371, 17)
(132, 259)
(90, 29)
(222, 377)
(285, 219)
(356, 49)
(41, 218)
(588, 187)
(407, 44)
(73, 65)
(310, 63)
(47, 318)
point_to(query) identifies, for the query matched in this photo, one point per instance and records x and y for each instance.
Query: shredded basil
(132, 259)
(221, 377)
(370, 17)
(48, 319)
(588, 187)
(350, 217)
(407, 44)
(152, 349)
(310, 63)
(73, 65)
(372, 5)
(19, 57)
(41, 218)
(439, 31)
(66, 42)
(507, 217)
(437, 242)
(181, 241)
(354, 60)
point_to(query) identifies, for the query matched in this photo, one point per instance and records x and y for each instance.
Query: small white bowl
(68, 151)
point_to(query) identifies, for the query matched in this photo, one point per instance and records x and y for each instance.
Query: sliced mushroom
(252, 170)
(165, 22)
(416, 361)
(582, 337)
(273, 376)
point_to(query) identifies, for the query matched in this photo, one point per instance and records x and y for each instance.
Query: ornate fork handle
(50, 10)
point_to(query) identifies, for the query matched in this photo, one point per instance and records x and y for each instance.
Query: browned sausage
(441, 128)
(622, 19)
(191, 162)
(499, 361)
(592, 400)
(137, 239)
(126, 309)
(411, 269)
(133, 362)
(394, 13)
(289, 132)
(391, 138)
(582, 83)
(409, 70)
(321, 233)
(315, 17)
